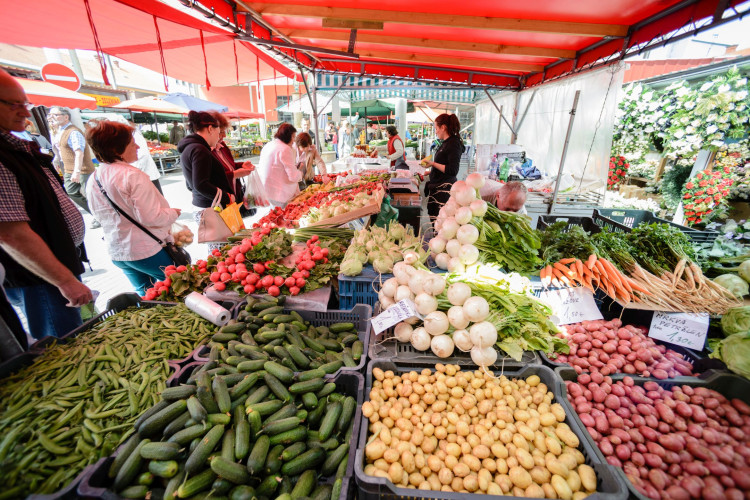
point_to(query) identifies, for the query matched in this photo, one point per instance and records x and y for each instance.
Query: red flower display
(704, 193)
(618, 169)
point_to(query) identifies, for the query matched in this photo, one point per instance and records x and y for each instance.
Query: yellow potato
(396, 472)
(473, 462)
(588, 477)
(484, 477)
(561, 487)
(494, 489)
(540, 475)
(553, 445)
(547, 419)
(533, 381)
(461, 470)
(503, 480)
(415, 479)
(525, 459)
(558, 411)
(407, 460)
(375, 450)
(471, 483)
(556, 466)
(574, 481)
(391, 455)
(445, 476)
(568, 460)
(534, 491)
(481, 452)
(520, 477)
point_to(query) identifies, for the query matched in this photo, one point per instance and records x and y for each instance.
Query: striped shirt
(13, 203)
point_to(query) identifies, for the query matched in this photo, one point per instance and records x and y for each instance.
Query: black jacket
(448, 154)
(45, 215)
(203, 172)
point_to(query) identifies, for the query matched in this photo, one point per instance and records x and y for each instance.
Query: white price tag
(684, 329)
(571, 305)
(394, 315)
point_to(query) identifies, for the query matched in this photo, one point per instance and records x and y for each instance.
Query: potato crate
(360, 315)
(727, 384)
(625, 220)
(610, 486)
(96, 483)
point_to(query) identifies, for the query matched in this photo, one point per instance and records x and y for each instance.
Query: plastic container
(362, 289)
(610, 486)
(95, 482)
(587, 223)
(359, 315)
(726, 384)
(628, 219)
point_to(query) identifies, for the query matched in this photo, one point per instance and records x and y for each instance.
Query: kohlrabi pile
(382, 248)
(470, 230)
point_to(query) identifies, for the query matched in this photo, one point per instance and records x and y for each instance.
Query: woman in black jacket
(204, 174)
(444, 165)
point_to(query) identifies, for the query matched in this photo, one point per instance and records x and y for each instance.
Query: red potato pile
(678, 444)
(609, 347)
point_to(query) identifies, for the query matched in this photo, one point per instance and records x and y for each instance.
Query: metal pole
(156, 126)
(499, 125)
(565, 150)
(499, 110)
(318, 142)
(472, 154)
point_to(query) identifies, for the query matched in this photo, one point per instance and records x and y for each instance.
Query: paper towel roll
(207, 308)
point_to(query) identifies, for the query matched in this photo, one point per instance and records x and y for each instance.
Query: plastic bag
(387, 213)
(231, 216)
(182, 235)
(254, 195)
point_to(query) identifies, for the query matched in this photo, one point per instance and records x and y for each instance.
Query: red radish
(278, 280)
(225, 276)
(220, 286)
(259, 268)
(232, 268)
(289, 282)
(300, 282)
(266, 281)
(294, 290)
(274, 291)
(239, 258)
(249, 289)
(253, 278)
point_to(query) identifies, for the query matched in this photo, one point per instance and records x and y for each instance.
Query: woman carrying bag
(135, 217)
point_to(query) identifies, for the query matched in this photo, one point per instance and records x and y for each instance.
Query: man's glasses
(15, 106)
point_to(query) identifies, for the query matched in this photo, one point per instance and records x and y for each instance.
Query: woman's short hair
(199, 120)
(392, 130)
(108, 140)
(304, 139)
(285, 133)
(223, 121)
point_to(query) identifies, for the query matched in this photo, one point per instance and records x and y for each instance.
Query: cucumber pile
(264, 332)
(240, 436)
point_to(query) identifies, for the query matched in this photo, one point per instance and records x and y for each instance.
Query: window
(283, 100)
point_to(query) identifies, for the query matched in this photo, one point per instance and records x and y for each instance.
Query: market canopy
(153, 104)
(192, 103)
(481, 42)
(48, 94)
(375, 107)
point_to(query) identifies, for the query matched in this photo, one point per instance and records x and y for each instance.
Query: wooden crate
(370, 209)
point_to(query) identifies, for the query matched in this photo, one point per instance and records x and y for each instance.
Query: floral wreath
(704, 193)
(618, 169)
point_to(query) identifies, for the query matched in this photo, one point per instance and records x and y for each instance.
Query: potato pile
(470, 432)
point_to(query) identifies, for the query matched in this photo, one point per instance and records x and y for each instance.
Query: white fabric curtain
(542, 131)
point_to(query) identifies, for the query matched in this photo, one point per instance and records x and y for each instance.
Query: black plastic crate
(727, 384)
(360, 315)
(610, 486)
(587, 223)
(626, 220)
(95, 483)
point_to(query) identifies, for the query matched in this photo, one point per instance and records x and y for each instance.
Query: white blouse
(278, 171)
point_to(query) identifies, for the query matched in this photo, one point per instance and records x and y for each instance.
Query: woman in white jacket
(278, 167)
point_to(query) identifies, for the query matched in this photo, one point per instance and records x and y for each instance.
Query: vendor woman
(444, 165)
(395, 148)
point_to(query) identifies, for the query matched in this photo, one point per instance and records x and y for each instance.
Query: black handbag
(179, 255)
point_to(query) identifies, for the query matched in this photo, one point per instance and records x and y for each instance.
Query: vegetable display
(687, 442)
(382, 248)
(479, 434)
(240, 436)
(78, 401)
(609, 347)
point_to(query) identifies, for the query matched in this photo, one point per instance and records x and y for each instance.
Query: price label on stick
(571, 305)
(392, 316)
(684, 329)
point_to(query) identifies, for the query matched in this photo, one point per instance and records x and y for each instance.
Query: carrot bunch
(594, 273)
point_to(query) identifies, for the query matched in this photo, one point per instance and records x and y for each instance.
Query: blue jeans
(45, 310)
(145, 272)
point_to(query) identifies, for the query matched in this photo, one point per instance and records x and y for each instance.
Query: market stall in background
(347, 346)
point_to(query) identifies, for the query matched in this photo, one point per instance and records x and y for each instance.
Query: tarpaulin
(126, 29)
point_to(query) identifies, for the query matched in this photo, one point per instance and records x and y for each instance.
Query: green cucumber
(227, 445)
(197, 412)
(328, 445)
(287, 362)
(331, 345)
(156, 423)
(254, 420)
(267, 304)
(305, 484)
(310, 374)
(224, 337)
(268, 486)
(334, 459)
(145, 479)
(186, 435)
(125, 451)
(176, 425)
(290, 436)
(232, 327)
(341, 471)
(242, 492)
(198, 458)
(315, 416)
(341, 327)
(282, 425)
(286, 411)
(221, 394)
(298, 356)
(242, 439)
(258, 395)
(273, 460)
(327, 389)
(329, 420)
(221, 487)
(309, 400)
(349, 362)
(179, 392)
(332, 367)
(312, 385)
(308, 460)
(266, 407)
(358, 349)
(160, 451)
(170, 491)
(219, 418)
(129, 470)
(244, 385)
(137, 491)
(292, 451)
(277, 387)
(347, 412)
(313, 344)
(252, 365)
(280, 372)
(196, 484)
(268, 337)
(229, 470)
(207, 399)
(337, 486)
(349, 339)
(163, 468)
(322, 492)
(257, 457)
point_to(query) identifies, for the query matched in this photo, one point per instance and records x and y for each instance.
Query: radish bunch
(453, 247)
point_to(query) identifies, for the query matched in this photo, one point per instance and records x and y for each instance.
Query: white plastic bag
(254, 195)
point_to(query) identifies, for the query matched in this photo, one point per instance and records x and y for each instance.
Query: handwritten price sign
(571, 305)
(403, 310)
(685, 329)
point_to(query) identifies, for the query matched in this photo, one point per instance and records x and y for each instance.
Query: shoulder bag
(212, 227)
(179, 255)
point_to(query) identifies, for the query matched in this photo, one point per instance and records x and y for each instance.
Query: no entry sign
(61, 75)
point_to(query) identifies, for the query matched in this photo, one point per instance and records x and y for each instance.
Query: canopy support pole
(313, 98)
(499, 110)
(335, 92)
(523, 117)
(564, 151)
(156, 126)
(499, 126)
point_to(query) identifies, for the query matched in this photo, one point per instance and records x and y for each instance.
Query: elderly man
(40, 227)
(511, 197)
(71, 149)
(176, 133)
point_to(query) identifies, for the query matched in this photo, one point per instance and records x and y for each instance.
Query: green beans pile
(78, 401)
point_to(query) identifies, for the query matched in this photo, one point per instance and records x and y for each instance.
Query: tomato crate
(360, 315)
(610, 486)
(728, 385)
(616, 219)
(96, 483)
